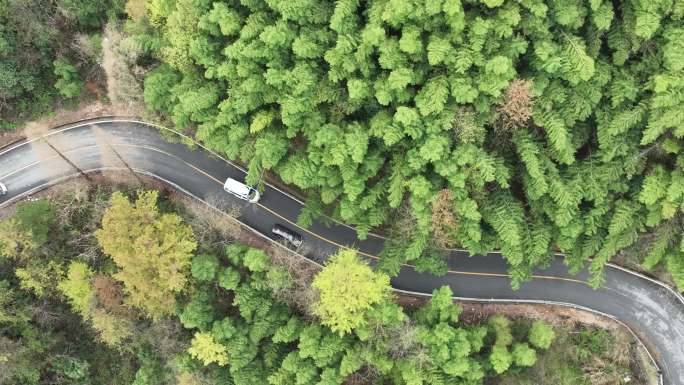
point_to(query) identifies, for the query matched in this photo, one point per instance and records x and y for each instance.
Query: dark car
(288, 235)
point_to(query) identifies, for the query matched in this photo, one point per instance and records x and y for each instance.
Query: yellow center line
(274, 213)
(501, 275)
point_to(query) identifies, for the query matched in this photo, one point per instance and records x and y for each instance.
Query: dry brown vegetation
(464, 126)
(444, 222)
(516, 109)
(9, 137)
(110, 294)
(119, 55)
(62, 116)
(136, 9)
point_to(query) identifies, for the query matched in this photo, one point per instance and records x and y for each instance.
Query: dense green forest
(75, 309)
(530, 127)
(526, 126)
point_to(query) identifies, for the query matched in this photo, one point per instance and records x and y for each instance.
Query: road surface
(654, 312)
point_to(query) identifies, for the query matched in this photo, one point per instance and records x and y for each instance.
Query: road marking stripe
(133, 120)
(678, 295)
(57, 131)
(459, 272)
(95, 121)
(274, 213)
(27, 166)
(258, 233)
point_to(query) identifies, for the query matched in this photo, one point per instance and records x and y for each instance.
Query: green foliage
(255, 260)
(541, 335)
(91, 13)
(228, 278)
(523, 355)
(440, 308)
(152, 251)
(77, 288)
(204, 267)
(501, 327)
(68, 82)
(258, 339)
(113, 329)
(151, 370)
(159, 85)
(71, 368)
(347, 289)
(23, 237)
(370, 105)
(204, 348)
(15, 242)
(41, 48)
(240, 330)
(52, 331)
(26, 54)
(566, 360)
(500, 358)
(198, 313)
(39, 277)
(36, 217)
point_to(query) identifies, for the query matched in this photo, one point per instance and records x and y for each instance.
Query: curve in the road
(651, 310)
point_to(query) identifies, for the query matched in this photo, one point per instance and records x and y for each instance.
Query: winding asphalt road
(651, 310)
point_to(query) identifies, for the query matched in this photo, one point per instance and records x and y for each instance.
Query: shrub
(204, 267)
(541, 335)
(69, 83)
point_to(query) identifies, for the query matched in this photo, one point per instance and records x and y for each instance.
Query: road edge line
(309, 260)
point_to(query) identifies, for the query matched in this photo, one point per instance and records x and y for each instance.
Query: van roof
(236, 187)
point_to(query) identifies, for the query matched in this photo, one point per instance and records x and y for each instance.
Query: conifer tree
(152, 251)
(542, 120)
(348, 288)
(258, 339)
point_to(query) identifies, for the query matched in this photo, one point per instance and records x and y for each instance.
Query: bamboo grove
(527, 126)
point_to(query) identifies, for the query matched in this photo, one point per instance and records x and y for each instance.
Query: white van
(241, 190)
(3, 189)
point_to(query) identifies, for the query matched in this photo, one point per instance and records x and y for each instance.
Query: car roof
(236, 187)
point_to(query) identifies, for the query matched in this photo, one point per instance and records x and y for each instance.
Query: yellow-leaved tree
(205, 348)
(151, 249)
(348, 288)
